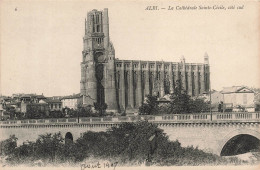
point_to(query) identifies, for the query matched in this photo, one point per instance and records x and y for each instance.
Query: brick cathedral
(123, 84)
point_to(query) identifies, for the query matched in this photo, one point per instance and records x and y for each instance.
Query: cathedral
(123, 84)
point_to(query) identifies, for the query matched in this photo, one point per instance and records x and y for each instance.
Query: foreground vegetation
(128, 144)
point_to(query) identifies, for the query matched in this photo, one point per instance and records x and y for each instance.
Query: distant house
(1, 110)
(239, 96)
(37, 98)
(3, 113)
(216, 99)
(53, 104)
(6, 100)
(40, 103)
(15, 105)
(25, 98)
(71, 101)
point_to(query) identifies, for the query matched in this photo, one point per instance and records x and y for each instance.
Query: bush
(150, 106)
(8, 146)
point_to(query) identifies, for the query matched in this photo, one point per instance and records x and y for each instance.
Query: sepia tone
(123, 81)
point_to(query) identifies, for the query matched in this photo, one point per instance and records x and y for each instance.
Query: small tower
(206, 59)
(182, 60)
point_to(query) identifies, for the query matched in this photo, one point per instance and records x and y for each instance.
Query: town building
(53, 104)
(6, 100)
(238, 97)
(71, 101)
(216, 100)
(1, 110)
(123, 84)
(27, 98)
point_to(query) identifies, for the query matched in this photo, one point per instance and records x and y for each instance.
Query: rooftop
(52, 100)
(235, 89)
(74, 96)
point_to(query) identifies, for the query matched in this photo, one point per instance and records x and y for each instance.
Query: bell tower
(98, 62)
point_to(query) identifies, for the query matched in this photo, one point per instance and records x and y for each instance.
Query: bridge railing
(199, 117)
(186, 117)
(236, 116)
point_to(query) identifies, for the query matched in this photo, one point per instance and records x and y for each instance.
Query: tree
(136, 139)
(34, 112)
(100, 107)
(56, 114)
(8, 146)
(150, 106)
(164, 108)
(180, 100)
(10, 110)
(68, 112)
(127, 142)
(198, 105)
(20, 115)
(49, 146)
(83, 111)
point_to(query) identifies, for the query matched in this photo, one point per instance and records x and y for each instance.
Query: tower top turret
(96, 36)
(94, 22)
(182, 59)
(206, 58)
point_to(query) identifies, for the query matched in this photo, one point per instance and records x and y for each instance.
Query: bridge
(217, 133)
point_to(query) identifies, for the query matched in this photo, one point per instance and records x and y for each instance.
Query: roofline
(235, 92)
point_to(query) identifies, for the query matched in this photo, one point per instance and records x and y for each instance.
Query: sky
(41, 41)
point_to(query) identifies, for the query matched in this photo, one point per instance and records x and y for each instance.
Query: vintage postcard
(129, 84)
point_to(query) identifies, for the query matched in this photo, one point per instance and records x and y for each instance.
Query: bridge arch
(68, 138)
(237, 135)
